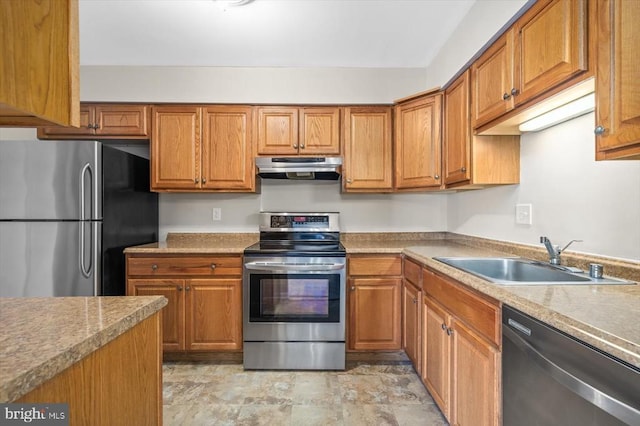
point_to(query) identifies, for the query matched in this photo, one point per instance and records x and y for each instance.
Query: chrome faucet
(555, 251)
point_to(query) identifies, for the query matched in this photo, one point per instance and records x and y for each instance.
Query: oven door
(294, 299)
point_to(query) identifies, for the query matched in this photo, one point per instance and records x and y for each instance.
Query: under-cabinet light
(558, 115)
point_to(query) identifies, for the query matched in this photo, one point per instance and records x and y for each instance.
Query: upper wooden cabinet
(298, 131)
(418, 142)
(104, 121)
(368, 162)
(40, 64)
(545, 49)
(617, 80)
(472, 161)
(197, 148)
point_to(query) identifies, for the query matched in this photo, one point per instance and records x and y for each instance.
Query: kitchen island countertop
(42, 337)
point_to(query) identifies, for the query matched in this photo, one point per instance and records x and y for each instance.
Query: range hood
(305, 168)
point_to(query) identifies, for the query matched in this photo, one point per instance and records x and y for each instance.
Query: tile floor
(204, 393)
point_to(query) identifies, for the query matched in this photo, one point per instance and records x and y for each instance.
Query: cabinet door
(617, 82)
(277, 131)
(411, 322)
(374, 316)
(368, 159)
(57, 132)
(121, 120)
(551, 46)
(492, 81)
(436, 354)
(475, 379)
(175, 148)
(418, 143)
(214, 314)
(457, 132)
(227, 148)
(319, 131)
(173, 338)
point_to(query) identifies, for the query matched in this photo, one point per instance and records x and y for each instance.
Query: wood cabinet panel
(436, 354)
(374, 322)
(214, 314)
(479, 312)
(175, 148)
(227, 148)
(368, 160)
(319, 131)
(40, 66)
(551, 46)
(412, 272)
(457, 131)
(492, 81)
(617, 82)
(173, 338)
(185, 265)
(476, 366)
(277, 131)
(120, 383)
(412, 322)
(418, 143)
(372, 265)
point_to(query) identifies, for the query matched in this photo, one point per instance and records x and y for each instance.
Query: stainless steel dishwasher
(550, 378)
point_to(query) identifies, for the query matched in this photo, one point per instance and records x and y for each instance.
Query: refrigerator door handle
(86, 271)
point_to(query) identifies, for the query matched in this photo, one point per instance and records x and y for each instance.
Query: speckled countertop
(606, 317)
(41, 337)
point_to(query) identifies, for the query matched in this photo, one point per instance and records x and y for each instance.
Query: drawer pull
(213, 266)
(154, 267)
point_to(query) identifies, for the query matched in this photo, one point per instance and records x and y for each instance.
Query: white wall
(573, 196)
(484, 19)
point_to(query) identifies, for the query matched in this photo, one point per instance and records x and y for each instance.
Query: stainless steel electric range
(294, 294)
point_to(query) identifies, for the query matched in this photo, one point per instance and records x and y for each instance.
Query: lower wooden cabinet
(461, 351)
(375, 286)
(412, 312)
(203, 313)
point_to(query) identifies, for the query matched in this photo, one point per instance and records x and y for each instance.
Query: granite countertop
(604, 316)
(41, 337)
(196, 243)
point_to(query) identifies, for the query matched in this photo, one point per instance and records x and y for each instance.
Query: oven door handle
(293, 267)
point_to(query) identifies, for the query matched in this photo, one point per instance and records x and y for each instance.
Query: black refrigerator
(67, 211)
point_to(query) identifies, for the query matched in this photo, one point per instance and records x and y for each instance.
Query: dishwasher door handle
(616, 408)
(293, 267)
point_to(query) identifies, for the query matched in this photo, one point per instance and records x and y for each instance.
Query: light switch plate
(523, 214)
(217, 213)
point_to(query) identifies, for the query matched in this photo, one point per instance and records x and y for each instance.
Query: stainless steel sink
(520, 271)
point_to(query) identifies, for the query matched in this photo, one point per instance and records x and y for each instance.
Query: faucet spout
(554, 253)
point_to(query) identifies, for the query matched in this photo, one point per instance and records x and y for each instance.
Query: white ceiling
(267, 33)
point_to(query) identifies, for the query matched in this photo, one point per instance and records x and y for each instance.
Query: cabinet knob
(204, 180)
(444, 327)
(179, 288)
(195, 180)
(599, 130)
(436, 177)
(349, 180)
(353, 288)
(295, 146)
(301, 146)
(188, 288)
(154, 267)
(449, 331)
(514, 92)
(506, 96)
(213, 266)
(415, 301)
(463, 169)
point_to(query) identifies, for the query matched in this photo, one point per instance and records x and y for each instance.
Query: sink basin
(520, 271)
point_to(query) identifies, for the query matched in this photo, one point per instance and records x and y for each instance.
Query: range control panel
(324, 222)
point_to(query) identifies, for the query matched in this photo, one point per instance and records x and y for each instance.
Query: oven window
(294, 298)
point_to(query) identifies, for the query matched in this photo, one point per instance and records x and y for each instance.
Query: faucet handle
(568, 244)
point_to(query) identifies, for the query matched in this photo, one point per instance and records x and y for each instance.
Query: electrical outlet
(523, 214)
(217, 213)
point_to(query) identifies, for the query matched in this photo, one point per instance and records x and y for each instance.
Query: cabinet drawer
(412, 272)
(478, 313)
(375, 265)
(198, 266)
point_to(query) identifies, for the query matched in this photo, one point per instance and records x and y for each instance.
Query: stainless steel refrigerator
(67, 211)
